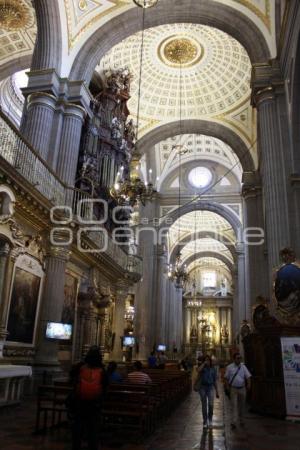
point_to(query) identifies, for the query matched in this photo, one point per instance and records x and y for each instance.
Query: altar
(11, 383)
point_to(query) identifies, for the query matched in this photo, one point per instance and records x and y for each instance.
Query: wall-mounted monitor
(128, 341)
(59, 331)
(161, 348)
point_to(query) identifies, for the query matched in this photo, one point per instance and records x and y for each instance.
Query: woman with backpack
(207, 383)
(89, 380)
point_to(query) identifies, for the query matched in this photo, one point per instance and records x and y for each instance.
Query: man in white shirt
(238, 380)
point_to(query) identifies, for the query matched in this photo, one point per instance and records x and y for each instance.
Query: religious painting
(70, 290)
(23, 306)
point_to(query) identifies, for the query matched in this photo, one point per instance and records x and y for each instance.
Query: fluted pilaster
(119, 325)
(145, 289)
(257, 262)
(70, 142)
(269, 99)
(4, 254)
(160, 298)
(52, 303)
(243, 308)
(37, 126)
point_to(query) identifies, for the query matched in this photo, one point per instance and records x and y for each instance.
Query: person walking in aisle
(238, 381)
(207, 387)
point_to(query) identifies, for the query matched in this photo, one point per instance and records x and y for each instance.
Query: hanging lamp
(178, 272)
(132, 190)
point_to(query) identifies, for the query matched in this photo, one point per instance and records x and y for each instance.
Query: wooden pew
(51, 402)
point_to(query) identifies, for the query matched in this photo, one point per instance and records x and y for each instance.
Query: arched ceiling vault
(198, 148)
(201, 205)
(246, 155)
(244, 24)
(80, 32)
(209, 254)
(224, 238)
(207, 262)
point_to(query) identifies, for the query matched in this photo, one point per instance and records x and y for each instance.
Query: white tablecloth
(10, 371)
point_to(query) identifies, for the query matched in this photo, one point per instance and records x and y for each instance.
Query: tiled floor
(182, 431)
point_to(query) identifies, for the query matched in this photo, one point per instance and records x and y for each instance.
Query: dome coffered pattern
(215, 71)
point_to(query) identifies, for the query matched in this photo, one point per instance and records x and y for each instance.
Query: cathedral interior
(150, 202)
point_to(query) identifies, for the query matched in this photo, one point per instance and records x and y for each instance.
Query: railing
(25, 160)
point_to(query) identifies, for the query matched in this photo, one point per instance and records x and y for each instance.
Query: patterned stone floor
(182, 431)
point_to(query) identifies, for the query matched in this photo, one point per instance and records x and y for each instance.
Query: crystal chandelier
(131, 190)
(178, 272)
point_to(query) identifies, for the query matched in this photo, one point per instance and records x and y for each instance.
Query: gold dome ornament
(180, 51)
(145, 3)
(14, 15)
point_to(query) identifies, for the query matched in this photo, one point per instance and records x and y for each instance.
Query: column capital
(63, 89)
(266, 82)
(62, 253)
(251, 185)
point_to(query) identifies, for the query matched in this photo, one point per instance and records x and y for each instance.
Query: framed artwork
(23, 306)
(70, 290)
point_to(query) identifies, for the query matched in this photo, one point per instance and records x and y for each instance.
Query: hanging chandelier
(178, 272)
(145, 3)
(131, 190)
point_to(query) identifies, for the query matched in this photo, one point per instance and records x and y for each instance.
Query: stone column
(145, 290)
(37, 126)
(172, 319)
(161, 291)
(119, 325)
(70, 142)
(275, 151)
(4, 252)
(52, 304)
(257, 260)
(243, 307)
(179, 316)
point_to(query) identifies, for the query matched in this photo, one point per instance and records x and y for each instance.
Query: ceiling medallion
(180, 50)
(145, 3)
(14, 15)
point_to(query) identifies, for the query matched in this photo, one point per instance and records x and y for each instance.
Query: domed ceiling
(199, 221)
(17, 29)
(212, 80)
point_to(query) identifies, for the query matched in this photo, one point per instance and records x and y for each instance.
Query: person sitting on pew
(152, 361)
(162, 359)
(113, 375)
(137, 376)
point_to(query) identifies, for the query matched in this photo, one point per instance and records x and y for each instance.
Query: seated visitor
(137, 376)
(113, 375)
(162, 359)
(152, 361)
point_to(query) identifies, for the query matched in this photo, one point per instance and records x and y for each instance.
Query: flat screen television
(128, 341)
(59, 331)
(161, 348)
